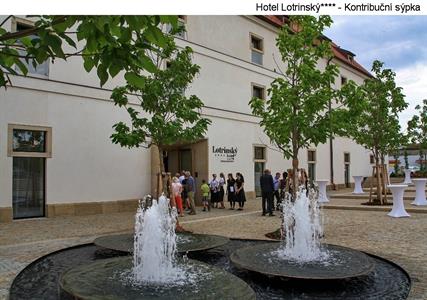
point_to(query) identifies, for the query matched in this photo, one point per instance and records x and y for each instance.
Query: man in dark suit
(267, 191)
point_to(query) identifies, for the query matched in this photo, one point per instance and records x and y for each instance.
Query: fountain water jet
(301, 255)
(154, 271)
(154, 257)
(302, 228)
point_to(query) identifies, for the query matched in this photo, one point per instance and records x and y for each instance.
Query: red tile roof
(340, 54)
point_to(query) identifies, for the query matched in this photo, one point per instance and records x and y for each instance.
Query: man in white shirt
(182, 177)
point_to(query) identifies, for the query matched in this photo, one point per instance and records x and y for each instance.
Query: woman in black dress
(184, 194)
(221, 183)
(231, 190)
(240, 192)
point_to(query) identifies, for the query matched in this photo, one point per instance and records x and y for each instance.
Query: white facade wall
(85, 165)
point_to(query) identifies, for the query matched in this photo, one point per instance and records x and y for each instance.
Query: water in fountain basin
(302, 226)
(155, 244)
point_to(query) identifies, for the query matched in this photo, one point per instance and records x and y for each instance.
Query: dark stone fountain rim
(125, 242)
(64, 249)
(289, 275)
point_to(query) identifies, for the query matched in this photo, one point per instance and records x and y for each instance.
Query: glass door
(28, 187)
(185, 160)
(347, 175)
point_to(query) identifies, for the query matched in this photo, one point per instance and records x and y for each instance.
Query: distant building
(56, 156)
(413, 154)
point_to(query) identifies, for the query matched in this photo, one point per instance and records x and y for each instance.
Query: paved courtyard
(403, 241)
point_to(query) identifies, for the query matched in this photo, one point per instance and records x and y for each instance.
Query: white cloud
(413, 80)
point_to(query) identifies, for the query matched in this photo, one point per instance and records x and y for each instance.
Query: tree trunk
(379, 185)
(160, 187)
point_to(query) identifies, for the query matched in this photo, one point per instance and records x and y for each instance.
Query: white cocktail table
(358, 185)
(323, 197)
(398, 210)
(420, 191)
(407, 177)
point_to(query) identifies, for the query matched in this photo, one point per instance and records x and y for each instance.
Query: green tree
(396, 163)
(110, 44)
(297, 113)
(417, 132)
(165, 115)
(375, 122)
(405, 158)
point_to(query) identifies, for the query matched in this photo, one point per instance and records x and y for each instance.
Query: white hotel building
(77, 169)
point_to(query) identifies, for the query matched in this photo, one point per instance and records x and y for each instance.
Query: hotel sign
(225, 154)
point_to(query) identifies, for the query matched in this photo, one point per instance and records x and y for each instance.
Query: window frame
(182, 20)
(349, 158)
(48, 141)
(258, 37)
(253, 49)
(254, 146)
(15, 21)
(315, 156)
(258, 86)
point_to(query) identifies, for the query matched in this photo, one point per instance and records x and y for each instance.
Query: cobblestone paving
(403, 241)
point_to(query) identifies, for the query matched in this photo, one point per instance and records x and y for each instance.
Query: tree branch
(30, 31)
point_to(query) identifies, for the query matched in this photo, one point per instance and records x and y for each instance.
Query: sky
(399, 41)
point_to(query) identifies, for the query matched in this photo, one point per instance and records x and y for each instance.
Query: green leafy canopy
(375, 120)
(417, 132)
(297, 113)
(164, 114)
(109, 44)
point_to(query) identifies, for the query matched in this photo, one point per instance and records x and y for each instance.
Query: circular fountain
(301, 255)
(224, 272)
(265, 259)
(154, 271)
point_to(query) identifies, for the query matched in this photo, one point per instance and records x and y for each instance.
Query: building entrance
(28, 187)
(177, 160)
(188, 157)
(347, 169)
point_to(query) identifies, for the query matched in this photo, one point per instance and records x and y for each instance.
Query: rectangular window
(28, 187)
(371, 159)
(41, 69)
(346, 157)
(259, 153)
(257, 49)
(182, 21)
(29, 141)
(258, 91)
(311, 155)
(343, 80)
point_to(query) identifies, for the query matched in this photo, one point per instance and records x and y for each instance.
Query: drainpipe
(331, 154)
(331, 141)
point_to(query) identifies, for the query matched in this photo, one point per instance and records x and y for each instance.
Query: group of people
(278, 186)
(183, 189)
(213, 192)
